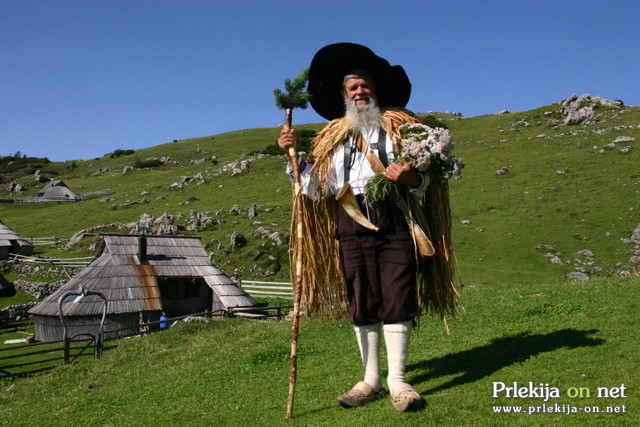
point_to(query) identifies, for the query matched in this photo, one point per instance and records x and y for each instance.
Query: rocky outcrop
(581, 109)
(584, 263)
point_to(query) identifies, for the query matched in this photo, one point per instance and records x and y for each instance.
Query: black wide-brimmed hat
(331, 63)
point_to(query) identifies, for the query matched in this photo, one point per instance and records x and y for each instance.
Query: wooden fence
(256, 288)
(47, 241)
(63, 262)
(29, 357)
(19, 360)
(43, 199)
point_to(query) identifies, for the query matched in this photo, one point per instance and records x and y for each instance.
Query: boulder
(578, 276)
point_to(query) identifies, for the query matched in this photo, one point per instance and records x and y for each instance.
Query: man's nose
(361, 92)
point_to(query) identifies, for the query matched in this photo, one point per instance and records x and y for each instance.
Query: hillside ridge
(538, 188)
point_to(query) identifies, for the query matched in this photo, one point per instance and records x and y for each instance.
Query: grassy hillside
(563, 191)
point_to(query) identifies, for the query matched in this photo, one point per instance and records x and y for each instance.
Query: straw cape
(324, 290)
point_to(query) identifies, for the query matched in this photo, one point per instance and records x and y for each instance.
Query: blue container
(164, 325)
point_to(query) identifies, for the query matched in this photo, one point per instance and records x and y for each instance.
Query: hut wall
(22, 248)
(216, 303)
(6, 290)
(49, 328)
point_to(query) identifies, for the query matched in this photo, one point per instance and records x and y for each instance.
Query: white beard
(368, 115)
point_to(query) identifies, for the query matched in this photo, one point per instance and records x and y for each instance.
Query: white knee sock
(368, 337)
(396, 337)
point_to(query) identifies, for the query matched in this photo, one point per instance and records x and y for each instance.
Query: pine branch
(295, 96)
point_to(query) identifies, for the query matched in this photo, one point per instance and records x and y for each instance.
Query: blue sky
(81, 78)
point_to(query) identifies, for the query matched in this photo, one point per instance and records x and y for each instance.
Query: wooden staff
(294, 97)
(297, 288)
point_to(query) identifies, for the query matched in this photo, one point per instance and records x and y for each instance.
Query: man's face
(358, 91)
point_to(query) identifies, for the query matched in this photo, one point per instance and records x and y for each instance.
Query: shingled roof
(12, 242)
(127, 270)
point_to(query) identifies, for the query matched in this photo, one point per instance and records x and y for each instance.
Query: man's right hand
(287, 139)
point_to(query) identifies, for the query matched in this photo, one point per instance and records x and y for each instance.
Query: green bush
(432, 121)
(305, 136)
(10, 164)
(147, 164)
(49, 171)
(118, 153)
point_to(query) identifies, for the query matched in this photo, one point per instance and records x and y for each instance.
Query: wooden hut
(12, 243)
(56, 191)
(141, 277)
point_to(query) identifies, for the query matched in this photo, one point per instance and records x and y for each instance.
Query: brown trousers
(379, 267)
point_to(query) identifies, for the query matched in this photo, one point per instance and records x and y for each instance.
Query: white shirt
(359, 173)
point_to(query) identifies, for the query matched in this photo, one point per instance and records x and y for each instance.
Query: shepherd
(370, 259)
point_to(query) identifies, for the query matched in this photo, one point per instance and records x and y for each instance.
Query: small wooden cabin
(56, 191)
(141, 277)
(12, 243)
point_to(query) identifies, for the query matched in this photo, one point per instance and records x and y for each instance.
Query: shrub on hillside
(118, 153)
(147, 164)
(432, 121)
(305, 136)
(49, 171)
(9, 164)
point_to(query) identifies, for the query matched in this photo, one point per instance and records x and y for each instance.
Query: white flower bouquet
(429, 152)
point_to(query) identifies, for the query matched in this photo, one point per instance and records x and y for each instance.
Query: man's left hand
(402, 173)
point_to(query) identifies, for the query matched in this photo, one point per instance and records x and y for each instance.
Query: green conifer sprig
(295, 95)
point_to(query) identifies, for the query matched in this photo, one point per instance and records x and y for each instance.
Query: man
(362, 96)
